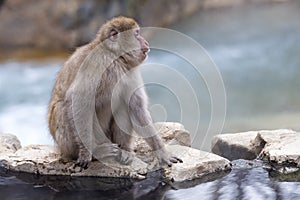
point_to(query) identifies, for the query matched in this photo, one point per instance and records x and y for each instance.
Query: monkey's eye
(136, 33)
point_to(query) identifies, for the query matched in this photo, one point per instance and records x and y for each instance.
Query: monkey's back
(63, 81)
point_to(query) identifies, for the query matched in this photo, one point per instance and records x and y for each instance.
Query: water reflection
(245, 184)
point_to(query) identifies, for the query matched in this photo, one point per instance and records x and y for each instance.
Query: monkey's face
(129, 46)
(144, 45)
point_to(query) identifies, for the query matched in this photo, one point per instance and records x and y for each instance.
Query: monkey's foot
(106, 150)
(84, 158)
(83, 163)
(126, 157)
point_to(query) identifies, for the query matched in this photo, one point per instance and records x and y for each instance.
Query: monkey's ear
(113, 34)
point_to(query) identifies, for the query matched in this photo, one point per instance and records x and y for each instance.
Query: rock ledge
(279, 147)
(45, 160)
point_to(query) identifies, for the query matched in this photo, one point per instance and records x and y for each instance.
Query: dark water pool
(247, 180)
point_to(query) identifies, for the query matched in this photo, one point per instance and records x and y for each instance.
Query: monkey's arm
(142, 124)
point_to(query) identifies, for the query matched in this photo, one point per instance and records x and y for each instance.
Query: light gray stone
(279, 147)
(196, 164)
(9, 143)
(235, 145)
(173, 133)
(45, 160)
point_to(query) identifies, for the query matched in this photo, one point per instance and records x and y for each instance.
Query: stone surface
(279, 147)
(45, 160)
(9, 143)
(282, 147)
(56, 24)
(171, 133)
(195, 164)
(235, 145)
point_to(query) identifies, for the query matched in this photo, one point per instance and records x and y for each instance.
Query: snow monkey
(99, 99)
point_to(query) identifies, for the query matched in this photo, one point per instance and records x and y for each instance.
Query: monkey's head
(121, 36)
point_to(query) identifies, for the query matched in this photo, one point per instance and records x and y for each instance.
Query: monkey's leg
(103, 147)
(84, 145)
(121, 129)
(84, 156)
(62, 133)
(123, 139)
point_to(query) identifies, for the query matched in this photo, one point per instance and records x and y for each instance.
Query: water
(256, 49)
(240, 184)
(25, 89)
(243, 182)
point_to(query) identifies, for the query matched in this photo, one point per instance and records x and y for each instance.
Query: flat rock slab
(45, 160)
(281, 147)
(9, 143)
(235, 146)
(196, 164)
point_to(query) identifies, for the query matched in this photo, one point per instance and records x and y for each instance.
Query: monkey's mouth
(145, 51)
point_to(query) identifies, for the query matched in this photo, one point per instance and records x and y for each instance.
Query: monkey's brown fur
(93, 108)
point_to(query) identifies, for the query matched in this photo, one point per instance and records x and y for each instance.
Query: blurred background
(254, 43)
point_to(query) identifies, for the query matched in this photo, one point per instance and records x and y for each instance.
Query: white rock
(9, 143)
(196, 164)
(235, 145)
(44, 159)
(173, 133)
(280, 147)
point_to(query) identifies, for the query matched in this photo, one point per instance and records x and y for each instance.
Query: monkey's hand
(165, 158)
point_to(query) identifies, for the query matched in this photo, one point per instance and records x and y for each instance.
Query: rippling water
(257, 52)
(240, 184)
(243, 182)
